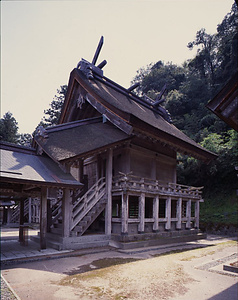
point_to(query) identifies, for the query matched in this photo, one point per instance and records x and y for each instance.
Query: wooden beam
(43, 218)
(168, 213)
(188, 214)
(108, 215)
(66, 206)
(99, 47)
(197, 208)
(156, 213)
(141, 227)
(124, 214)
(21, 234)
(113, 118)
(179, 213)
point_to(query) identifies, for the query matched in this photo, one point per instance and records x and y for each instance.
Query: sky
(43, 41)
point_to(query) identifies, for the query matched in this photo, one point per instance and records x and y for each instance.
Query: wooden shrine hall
(117, 154)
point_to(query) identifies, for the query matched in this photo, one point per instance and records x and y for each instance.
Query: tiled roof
(21, 164)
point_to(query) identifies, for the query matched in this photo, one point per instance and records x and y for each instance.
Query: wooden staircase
(85, 210)
(88, 208)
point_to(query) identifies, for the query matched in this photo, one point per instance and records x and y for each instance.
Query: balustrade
(150, 186)
(127, 185)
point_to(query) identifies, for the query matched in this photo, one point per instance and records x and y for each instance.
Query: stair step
(58, 225)
(56, 230)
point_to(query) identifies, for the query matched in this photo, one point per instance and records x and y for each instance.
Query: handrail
(161, 187)
(16, 212)
(88, 201)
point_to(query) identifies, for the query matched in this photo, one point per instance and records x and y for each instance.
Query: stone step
(162, 240)
(57, 231)
(49, 243)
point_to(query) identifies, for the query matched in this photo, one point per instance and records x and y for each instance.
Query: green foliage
(52, 114)
(9, 129)
(219, 211)
(190, 87)
(25, 139)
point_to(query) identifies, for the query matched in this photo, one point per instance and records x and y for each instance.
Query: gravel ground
(179, 275)
(6, 293)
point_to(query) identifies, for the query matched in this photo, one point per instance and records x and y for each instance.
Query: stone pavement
(12, 250)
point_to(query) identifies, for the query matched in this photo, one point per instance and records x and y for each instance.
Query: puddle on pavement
(100, 264)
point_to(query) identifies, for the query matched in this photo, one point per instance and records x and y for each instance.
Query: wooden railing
(88, 201)
(15, 217)
(146, 185)
(57, 210)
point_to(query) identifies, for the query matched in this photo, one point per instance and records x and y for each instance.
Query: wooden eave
(175, 143)
(225, 103)
(95, 151)
(39, 184)
(127, 120)
(73, 80)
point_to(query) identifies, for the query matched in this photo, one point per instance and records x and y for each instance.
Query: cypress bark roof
(79, 138)
(122, 106)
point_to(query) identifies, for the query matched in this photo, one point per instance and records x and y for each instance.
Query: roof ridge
(16, 147)
(68, 125)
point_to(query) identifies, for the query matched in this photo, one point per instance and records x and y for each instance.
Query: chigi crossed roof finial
(90, 68)
(91, 71)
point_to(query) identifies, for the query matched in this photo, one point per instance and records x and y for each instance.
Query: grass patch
(219, 211)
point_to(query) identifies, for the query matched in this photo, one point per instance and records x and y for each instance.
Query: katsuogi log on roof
(125, 111)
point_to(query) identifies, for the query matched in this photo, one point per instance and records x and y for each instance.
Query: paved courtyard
(177, 272)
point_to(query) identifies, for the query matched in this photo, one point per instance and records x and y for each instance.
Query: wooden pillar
(108, 214)
(29, 211)
(99, 168)
(49, 215)
(156, 213)
(168, 214)
(197, 209)
(188, 214)
(43, 218)
(21, 223)
(141, 227)
(9, 215)
(179, 213)
(66, 212)
(124, 214)
(80, 170)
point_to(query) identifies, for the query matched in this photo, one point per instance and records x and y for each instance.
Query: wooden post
(156, 213)
(80, 170)
(141, 227)
(108, 214)
(49, 215)
(168, 213)
(197, 209)
(43, 218)
(188, 214)
(179, 214)
(29, 211)
(124, 214)
(66, 212)
(99, 168)
(21, 223)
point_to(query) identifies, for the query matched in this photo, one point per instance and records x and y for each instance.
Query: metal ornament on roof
(91, 71)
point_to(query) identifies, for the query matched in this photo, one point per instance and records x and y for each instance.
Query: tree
(52, 114)
(25, 139)
(9, 129)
